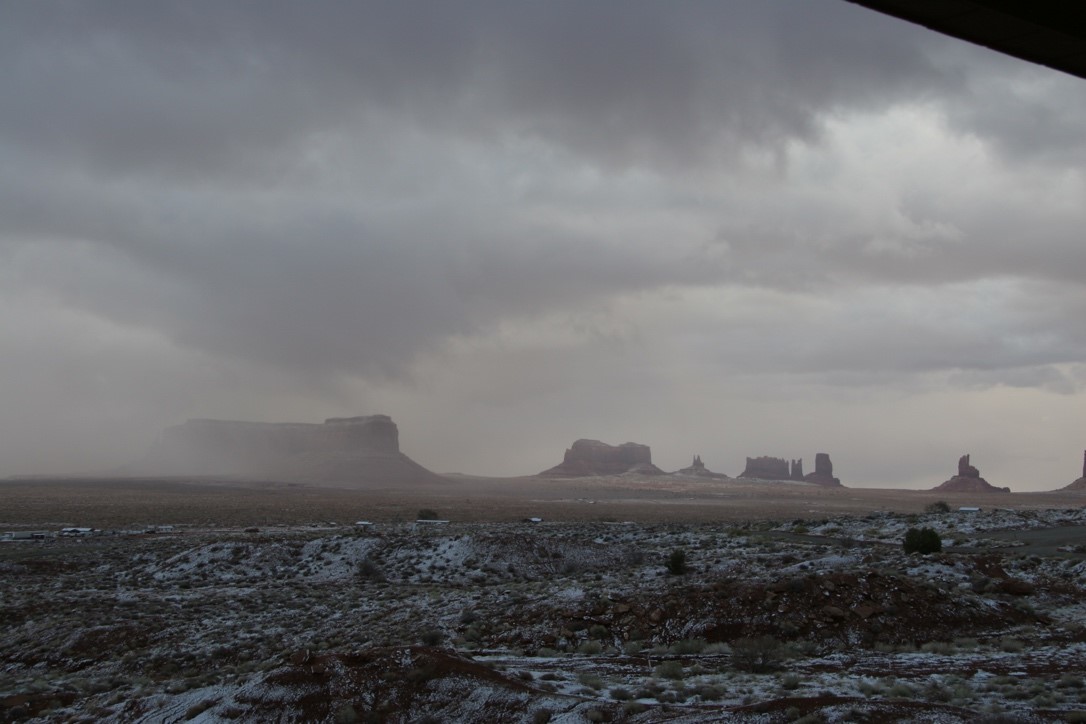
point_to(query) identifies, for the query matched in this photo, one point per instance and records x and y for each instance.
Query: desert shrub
(758, 654)
(790, 681)
(900, 690)
(676, 562)
(1070, 681)
(367, 570)
(688, 646)
(939, 506)
(599, 632)
(709, 692)
(937, 647)
(432, 637)
(428, 514)
(590, 648)
(922, 540)
(542, 716)
(592, 681)
(346, 715)
(669, 670)
(1011, 645)
(621, 694)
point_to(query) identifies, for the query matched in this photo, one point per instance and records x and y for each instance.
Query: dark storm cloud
(213, 86)
(143, 127)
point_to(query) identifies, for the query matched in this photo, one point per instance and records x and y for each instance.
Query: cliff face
(697, 469)
(592, 457)
(968, 480)
(350, 449)
(767, 468)
(1079, 484)
(823, 472)
(771, 468)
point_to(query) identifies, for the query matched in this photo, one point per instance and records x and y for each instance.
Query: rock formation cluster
(351, 449)
(968, 480)
(697, 469)
(592, 457)
(771, 468)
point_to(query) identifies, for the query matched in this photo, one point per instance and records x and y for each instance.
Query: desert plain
(620, 598)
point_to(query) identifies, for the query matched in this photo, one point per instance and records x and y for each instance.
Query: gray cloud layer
(278, 209)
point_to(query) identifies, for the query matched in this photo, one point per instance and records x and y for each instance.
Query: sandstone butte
(771, 468)
(968, 480)
(357, 450)
(697, 469)
(591, 457)
(1079, 484)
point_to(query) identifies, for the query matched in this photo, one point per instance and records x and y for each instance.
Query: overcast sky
(724, 228)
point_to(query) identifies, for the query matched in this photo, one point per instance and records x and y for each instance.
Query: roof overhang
(1048, 32)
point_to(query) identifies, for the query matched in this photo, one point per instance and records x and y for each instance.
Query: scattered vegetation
(922, 540)
(758, 653)
(676, 562)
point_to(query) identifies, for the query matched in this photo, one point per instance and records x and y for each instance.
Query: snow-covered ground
(824, 619)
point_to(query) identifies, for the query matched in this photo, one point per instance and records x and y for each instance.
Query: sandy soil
(113, 502)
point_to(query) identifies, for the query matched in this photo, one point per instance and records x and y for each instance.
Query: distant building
(79, 532)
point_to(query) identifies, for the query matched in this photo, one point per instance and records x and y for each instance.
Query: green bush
(669, 670)
(758, 654)
(428, 514)
(939, 506)
(923, 540)
(676, 562)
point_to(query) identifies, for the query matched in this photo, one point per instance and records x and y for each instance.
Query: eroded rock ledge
(363, 449)
(592, 457)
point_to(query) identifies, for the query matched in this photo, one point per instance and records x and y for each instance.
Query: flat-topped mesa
(592, 457)
(823, 472)
(767, 468)
(365, 448)
(372, 433)
(968, 480)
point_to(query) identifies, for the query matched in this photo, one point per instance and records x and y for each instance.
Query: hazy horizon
(725, 229)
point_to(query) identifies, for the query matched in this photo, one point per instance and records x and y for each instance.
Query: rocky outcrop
(1079, 484)
(348, 449)
(968, 480)
(592, 457)
(697, 469)
(770, 468)
(823, 472)
(767, 468)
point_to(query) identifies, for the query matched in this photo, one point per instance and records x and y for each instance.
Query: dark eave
(1049, 32)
